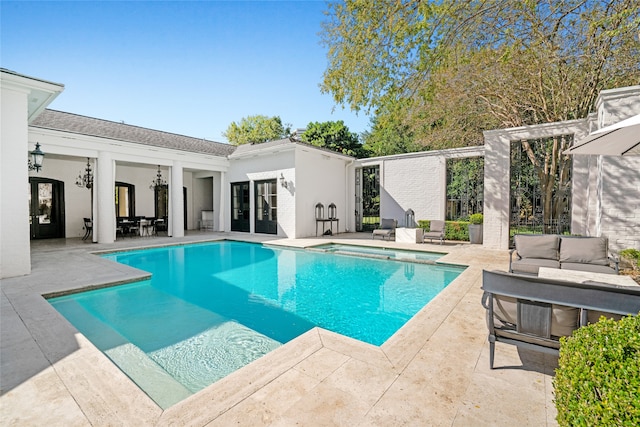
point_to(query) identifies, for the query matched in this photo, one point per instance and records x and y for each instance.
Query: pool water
(384, 253)
(212, 308)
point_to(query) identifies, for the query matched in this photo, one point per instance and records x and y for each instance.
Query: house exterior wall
(264, 166)
(321, 178)
(612, 182)
(614, 105)
(620, 202)
(21, 100)
(15, 252)
(416, 181)
(399, 180)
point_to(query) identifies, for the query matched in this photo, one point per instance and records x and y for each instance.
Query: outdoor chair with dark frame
(88, 228)
(533, 312)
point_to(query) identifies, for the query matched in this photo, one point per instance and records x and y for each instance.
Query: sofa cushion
(543, 246)
(593, 316)
(564, 320)
(586, 250)
(531, 265)
(587, 267)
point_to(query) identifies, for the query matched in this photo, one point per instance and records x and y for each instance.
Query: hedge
(453, 230)
(597, 381)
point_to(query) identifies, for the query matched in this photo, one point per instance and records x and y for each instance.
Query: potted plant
(475, 228)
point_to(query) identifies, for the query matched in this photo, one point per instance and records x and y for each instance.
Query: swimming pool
(212, 308)
(378, 252)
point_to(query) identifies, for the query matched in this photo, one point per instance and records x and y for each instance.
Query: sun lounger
(387, 229)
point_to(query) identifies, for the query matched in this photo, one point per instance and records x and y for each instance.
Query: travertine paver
(434, 371)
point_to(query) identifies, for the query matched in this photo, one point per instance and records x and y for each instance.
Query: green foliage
(597, 382)
(465, 186)
(388, 136)
(633, 254)
(256, 129)
(476, 218)
(453, 230)
(451, 69)
(334, 136)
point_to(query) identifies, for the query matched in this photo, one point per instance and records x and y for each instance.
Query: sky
(187, 67)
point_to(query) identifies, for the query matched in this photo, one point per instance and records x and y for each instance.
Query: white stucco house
(270, 188)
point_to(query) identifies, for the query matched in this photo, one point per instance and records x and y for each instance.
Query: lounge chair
(436, 231)
(387, 229)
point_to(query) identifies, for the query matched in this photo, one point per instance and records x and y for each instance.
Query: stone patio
(434, 371)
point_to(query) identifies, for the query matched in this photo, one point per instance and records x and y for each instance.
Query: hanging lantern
(410, 219)
(85, 180)
(333, 214)
(159, 181)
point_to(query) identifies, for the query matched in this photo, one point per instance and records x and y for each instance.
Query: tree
(388, 136)
(451, 69)
(335, 136)
(256, 129)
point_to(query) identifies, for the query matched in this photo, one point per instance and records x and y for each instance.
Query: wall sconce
(283, 182)
(37, 156)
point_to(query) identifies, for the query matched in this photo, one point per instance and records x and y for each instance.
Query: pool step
(148, 375)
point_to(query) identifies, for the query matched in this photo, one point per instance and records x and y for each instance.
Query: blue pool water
(212, 308)
(397, 254)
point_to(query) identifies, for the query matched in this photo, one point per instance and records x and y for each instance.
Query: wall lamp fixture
(37, 156)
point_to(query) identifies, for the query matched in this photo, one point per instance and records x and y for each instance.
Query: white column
(94, 203)
(222, 223)
(15, 246)
(496, 190)
(176, 208)
(104, 221)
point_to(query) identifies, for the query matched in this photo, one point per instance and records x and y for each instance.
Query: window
(162, 201)
(125, 200)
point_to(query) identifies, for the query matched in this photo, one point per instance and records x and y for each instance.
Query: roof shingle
(74, 123)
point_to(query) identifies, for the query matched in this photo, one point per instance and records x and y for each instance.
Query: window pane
(45, 191)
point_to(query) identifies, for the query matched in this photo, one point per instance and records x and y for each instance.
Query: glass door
(266, 207)
(240, 210)
(46, 208)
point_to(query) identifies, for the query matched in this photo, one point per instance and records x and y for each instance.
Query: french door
(46, 208)
(266, 207)
(240, 210)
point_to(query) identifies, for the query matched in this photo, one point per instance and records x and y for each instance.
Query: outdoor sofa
(533, 312)
(533, 251)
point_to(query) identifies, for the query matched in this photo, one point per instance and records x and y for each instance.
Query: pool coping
(115, 392)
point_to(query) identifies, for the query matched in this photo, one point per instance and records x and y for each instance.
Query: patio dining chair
(88, 228)
(134, 228)
(161, 225)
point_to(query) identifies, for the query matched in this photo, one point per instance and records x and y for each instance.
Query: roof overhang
(40, 93)
(246, 151)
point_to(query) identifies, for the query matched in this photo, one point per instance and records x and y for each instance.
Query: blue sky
(189, 67)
